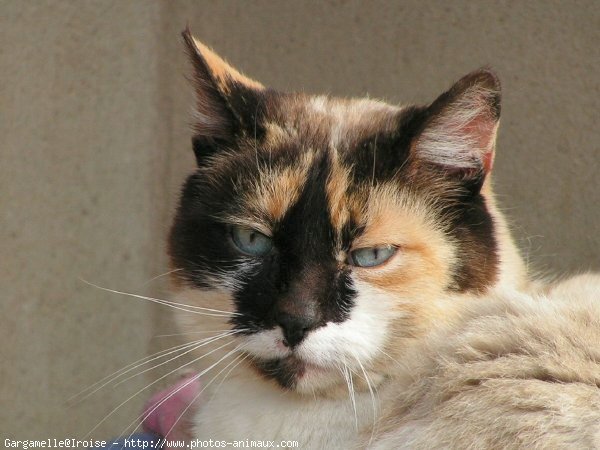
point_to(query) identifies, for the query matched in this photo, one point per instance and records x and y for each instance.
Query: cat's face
(333, 229)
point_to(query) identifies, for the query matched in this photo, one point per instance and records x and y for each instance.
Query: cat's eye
(371, 256)
(250, 241)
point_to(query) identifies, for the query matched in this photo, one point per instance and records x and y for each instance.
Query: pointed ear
(459, 133)
(225, 98)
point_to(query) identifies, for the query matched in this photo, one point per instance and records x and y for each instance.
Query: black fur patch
(284, 371)
(473, 228)
(301, 269)
(385, 155)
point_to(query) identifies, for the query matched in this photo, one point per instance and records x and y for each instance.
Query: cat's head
(335, 230)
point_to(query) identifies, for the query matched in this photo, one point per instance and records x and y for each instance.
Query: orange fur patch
(337, 184)
(223, 72)
(278, 191)
(425, 255)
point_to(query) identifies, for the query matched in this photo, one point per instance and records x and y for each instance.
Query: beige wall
(94, 144)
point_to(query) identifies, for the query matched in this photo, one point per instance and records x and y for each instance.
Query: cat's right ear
(459, 132)
(226, 100)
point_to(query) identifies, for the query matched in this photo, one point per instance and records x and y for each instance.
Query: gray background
(94, 143)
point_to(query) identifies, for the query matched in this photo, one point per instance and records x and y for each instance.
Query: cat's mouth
(288, 371)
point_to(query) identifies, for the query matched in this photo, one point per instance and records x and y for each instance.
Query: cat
(336, 239)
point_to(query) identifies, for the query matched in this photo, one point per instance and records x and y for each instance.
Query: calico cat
(341, 237)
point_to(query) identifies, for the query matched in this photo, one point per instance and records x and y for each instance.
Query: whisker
(388, 355)
(207, 341)
(225, 377)
(175, 305)
(206, 386)
(161, 275)
(143, 416)
(149, 385)
(348, 377)
(145, 360)
(353, 395)
(123, 370)
(372, 397)
(194, 332)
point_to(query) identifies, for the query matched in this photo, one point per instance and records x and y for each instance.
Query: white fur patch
(360, 337)
(346, 116)
(266, 344)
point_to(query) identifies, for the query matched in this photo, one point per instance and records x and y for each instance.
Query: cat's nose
(295, 327)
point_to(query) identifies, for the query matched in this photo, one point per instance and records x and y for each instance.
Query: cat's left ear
(226, 100)
(459, 132)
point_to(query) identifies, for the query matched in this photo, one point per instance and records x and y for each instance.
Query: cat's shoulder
(584, 286)
(515, 369)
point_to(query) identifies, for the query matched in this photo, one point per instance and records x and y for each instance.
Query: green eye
(371, 256)
(250, 241)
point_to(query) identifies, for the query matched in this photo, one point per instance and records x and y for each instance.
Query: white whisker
(348, 377)
(175, 305)
(195, 332)
(206, 342)
(226, 375)
(205, 386)
(161, 275)
(149, 385)
(353, 395)
(143, 416)
(373, 403)
(111, 377)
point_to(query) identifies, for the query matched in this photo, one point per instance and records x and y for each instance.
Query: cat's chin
(294, 374)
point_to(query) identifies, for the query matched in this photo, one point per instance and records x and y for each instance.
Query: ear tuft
(460, 130)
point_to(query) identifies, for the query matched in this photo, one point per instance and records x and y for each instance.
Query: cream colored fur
(514, 371)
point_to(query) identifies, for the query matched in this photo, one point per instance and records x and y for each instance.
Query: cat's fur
(323, 177)
(515, 371)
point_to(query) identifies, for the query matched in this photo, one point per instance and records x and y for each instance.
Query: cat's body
(341, 237)
(515, 371)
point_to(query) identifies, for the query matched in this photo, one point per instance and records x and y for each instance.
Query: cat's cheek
(194, 320)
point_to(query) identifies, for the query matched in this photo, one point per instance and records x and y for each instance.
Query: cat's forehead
(327, 122)
(317, 152)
